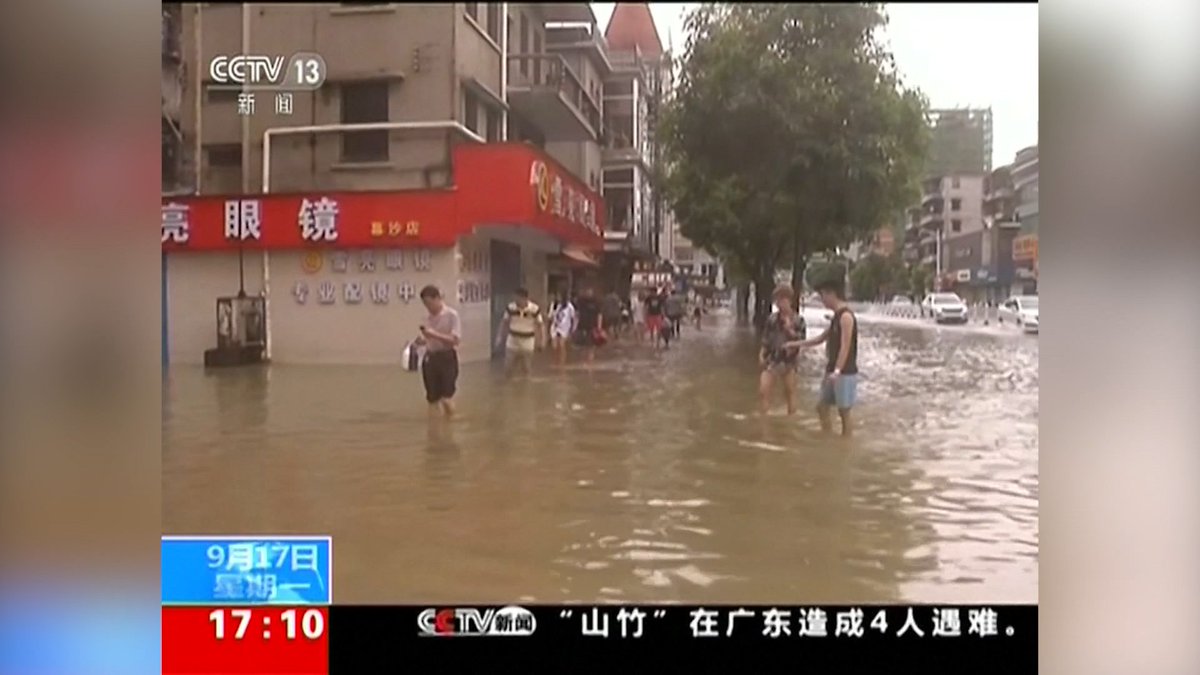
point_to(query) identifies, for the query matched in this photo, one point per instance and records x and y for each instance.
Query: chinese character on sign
(556, 192)
(395, 228)
(910, 622)
(734, 615)
(405, 291)
(599, 624)
(704, 622)
(228, 587)
(366, 261)
(318, 221)
(946, 624)
(300, 290)
(260, 586)
(849, 623)
(412, 228)
(376, 229)
(634, 616)
(175, 223)
(775, 622)
(339, 261)
(245, 104)
(570, 210)
(983, 622)
(352, 291)
(394, 260)
(304, 558)
(283, 104)
(243, 219)
(380, 291)
(326, 293)
(422, 260)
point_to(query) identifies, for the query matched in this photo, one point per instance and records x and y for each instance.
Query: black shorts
(440, 372)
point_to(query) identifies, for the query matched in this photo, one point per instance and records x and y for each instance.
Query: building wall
(194, 281)
(411, 46)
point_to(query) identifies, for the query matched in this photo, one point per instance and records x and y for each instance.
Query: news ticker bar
(355, 639)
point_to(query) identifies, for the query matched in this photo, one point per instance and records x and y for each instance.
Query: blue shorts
(842, 392)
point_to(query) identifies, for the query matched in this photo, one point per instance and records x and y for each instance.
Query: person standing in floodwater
(778, 356)
(522, 323)
(563, 322)
(840, 385)
(589, 329)
(441, 334)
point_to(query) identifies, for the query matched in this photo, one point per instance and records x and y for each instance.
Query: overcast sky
(968, 54)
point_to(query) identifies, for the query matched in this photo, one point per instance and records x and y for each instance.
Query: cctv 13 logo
(506, 621)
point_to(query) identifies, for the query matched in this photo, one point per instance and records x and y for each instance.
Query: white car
(944, 308)
(1022, 310)
(901, 300)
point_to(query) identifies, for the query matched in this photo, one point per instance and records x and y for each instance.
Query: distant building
(1025, 246)
(175, 174)
(961, 141)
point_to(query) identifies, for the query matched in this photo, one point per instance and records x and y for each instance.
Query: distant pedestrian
(522, 325)
(589, 330)
(637, 307)
(563, 323)
(441, 334)
(612, 313)
(840, 385)
(654, 316)
(673, 304)
(697, 314)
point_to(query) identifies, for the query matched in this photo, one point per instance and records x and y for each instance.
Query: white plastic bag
(411, 357)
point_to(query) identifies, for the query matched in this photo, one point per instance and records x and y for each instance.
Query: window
(493, 125)
(224, 154)
(956, 204)
(592, 180)
(537, 49)
(471, 111)
(619, 88)
(493, 18)
(956, 225)
(524, 43)
(219, 95)
(955, 182)
(618, 177)
(364, 102)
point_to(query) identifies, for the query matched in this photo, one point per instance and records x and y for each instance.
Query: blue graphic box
(244, 570)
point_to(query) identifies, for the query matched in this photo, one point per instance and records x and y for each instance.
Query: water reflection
(646, 478)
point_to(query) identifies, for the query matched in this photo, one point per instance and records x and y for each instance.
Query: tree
(877, 277)
(789, 134)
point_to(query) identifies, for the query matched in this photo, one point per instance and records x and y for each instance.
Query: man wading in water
(840, 386)
(440, 334)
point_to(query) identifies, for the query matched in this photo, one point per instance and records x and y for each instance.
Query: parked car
(1022, 310)
(944, 308)
(901, 300)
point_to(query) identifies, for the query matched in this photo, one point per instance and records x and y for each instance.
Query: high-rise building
(1025, 246)
(961, 141)
(459, 171)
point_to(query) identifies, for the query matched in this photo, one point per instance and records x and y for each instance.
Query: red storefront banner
(498, 184)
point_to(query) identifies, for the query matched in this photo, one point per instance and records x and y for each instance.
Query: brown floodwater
(647, 478)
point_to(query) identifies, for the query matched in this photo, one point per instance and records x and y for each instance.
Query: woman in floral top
(778, 361)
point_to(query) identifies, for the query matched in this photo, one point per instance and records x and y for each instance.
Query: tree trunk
(743, 303)
(762, 298)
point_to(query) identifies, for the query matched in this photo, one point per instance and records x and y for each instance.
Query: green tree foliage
(878, 277)
(788, 134)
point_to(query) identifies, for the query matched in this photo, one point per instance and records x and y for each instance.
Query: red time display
(244, 640)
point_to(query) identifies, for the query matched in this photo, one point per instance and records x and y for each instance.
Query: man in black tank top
(840, 385)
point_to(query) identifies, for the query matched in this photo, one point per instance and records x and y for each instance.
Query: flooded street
(648, 478)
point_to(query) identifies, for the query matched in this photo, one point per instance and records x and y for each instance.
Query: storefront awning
(579, 255)
(494, 185)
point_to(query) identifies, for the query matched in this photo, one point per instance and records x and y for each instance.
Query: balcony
(931, 219)
(933, 200)
(543, 89)
(619, 149)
